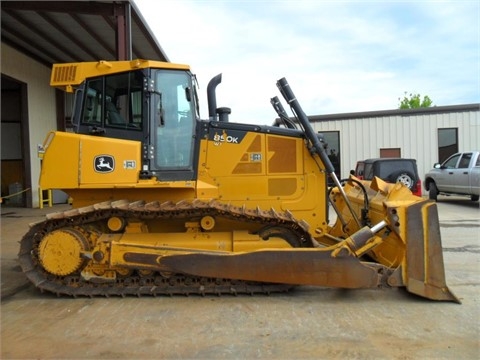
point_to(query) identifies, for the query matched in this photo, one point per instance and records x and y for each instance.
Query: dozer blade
(289, 266)
(412, 241)
(424, 256)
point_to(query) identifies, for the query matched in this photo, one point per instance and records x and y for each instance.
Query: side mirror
(437, 166)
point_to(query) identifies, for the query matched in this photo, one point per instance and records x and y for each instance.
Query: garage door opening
(15, 159)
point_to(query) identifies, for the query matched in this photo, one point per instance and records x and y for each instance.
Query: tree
(414, 101)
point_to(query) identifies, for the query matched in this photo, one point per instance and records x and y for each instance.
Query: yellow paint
(60, 252)
(66, 76)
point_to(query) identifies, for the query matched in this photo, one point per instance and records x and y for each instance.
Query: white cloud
(337, 56)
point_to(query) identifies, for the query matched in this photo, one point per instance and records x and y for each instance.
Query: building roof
(396, 112)
(74, 31)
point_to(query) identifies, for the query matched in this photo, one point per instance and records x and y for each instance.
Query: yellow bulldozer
(167, 203)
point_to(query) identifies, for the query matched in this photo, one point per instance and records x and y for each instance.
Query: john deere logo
(104, 163)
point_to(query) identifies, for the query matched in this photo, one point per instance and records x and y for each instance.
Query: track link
(137, 283)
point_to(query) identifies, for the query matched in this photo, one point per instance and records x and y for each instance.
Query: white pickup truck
(459, 174)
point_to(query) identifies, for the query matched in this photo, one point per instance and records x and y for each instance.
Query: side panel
(259, 168)
(255, 166)
(60, 163)
(72, 161)
(109, 162)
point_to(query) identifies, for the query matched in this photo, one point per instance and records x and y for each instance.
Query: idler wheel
(60, 252)
(207, 223)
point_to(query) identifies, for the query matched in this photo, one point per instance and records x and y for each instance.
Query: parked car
(459, 174)
(391, 170)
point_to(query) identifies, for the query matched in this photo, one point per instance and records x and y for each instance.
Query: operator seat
(113, 117)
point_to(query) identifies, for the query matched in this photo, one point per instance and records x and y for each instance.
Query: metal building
(35, 35)
(428, 135)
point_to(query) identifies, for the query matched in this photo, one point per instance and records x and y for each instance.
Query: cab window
(174, 120)
(114, 101)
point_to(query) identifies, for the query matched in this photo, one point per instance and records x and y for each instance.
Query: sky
(337, 56)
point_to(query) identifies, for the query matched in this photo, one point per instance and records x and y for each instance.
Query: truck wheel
(433, 192)
(474, 197)
(405, 178)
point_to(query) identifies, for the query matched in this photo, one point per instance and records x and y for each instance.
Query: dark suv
(391, 170)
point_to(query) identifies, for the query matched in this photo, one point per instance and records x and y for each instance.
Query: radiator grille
(64, 74)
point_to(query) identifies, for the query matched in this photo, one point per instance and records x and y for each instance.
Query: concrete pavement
(307, 323)
(14, 224)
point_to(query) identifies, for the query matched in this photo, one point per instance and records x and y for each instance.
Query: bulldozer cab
(155, 106)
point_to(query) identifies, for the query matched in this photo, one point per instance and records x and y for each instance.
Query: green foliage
(414, 101)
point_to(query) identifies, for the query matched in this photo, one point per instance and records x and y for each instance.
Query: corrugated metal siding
(416, 135)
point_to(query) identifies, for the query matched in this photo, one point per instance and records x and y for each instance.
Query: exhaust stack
(212, 97)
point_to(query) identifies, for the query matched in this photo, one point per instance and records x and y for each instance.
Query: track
(137, 282)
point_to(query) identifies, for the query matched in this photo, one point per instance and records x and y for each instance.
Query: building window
(390, 153)
(447, 143)
(332, 141)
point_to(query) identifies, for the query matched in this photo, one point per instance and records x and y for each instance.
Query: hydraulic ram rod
(318, 148)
